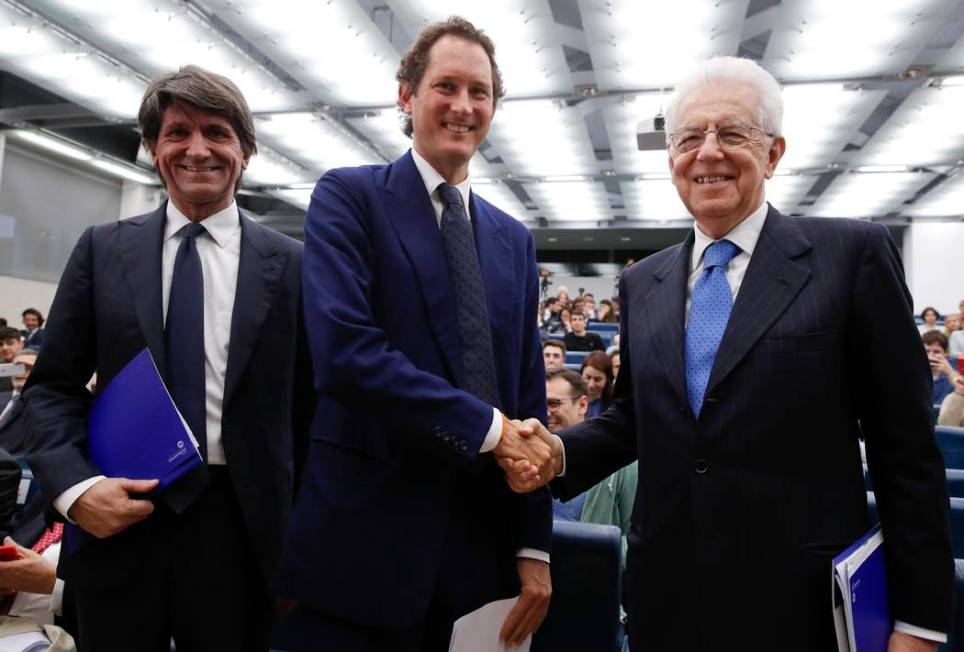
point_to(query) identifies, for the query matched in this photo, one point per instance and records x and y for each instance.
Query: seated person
(10, 343)
(579, 339)
(929, 317)
(597, 373)
(611, 501)
(12, 430)
(956, 341)
(952, 409)
(554, 354)
(941, 370)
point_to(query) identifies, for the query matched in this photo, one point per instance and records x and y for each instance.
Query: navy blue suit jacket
(739, 512)
(394, 486)
(108, 308)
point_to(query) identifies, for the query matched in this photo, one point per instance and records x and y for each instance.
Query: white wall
(934, 264)
(17, 294)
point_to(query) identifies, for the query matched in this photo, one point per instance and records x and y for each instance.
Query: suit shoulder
(360, 176)
(837, 228)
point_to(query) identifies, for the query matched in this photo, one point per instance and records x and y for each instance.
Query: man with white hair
(738, 396)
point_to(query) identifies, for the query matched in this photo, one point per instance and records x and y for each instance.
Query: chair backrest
(955, 482)
(957, 521)
(951, 442)
(603, 327)
(584, 610)
(576, 357)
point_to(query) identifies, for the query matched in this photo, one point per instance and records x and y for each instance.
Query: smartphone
(9, 553)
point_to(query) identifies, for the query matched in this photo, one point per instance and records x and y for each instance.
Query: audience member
(606, 313)
(956, 342)
(554, 354)
(935, 344)
(597, 373)
(589, 306)
(952, 324)
(10, 343)
(551, 321)
(562, 295)
(33, 322)
(952, 409)
(929, 316)
(614, 363)
(13, 432)
(565, 322)
(579, 339)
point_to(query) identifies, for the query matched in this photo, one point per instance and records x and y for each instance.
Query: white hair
(732, 69)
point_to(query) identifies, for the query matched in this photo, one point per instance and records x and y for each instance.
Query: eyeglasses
(729, 137)
(556, 403)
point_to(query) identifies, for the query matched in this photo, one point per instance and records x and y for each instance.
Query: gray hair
(732, 69)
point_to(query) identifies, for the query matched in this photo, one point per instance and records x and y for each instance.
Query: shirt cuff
(57, 598)
(66, 500)
(562, 473)
(532, 553)
(494, 434)
(920, 632)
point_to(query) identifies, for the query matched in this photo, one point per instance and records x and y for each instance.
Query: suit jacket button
(701, 466)
(463, 446)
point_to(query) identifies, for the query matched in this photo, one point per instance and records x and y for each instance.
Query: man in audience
(956, 342)
(216, 298)
(413, 394)
(757, 352)
(33, 323)
(10, 343)
(942, 373)
(13, 432)
(554, 354)
(580, 339)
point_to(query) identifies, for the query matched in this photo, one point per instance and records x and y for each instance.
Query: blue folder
(861, 605)
(135, 431)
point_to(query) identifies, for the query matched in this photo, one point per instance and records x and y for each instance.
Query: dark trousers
(192, 577)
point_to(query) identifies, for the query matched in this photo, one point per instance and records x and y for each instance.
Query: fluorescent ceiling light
(299, 197)
(538, 138)
(652, 200)
(502, 197)
(946, 200)
(126, 172)
(952, 80)
(524, 33)
(384, 130)
(642, 45)
(785, 192)
(582, 201)
(868, 195)
(52, 144)
(314, 140)
(882, 168)
(269, 169)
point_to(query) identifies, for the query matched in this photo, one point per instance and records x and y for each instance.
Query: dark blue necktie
(473, 318)
(184, 356)
(710, 309)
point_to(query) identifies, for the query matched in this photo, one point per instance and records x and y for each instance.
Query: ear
(583, 405)
(405, 98)
(777, 149)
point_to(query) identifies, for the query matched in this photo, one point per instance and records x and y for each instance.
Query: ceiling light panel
(868, 195)
(819, 119)
(332, 48)
(383, 129)
(524, 33)
(298, 197)
(622, 123)
(785, 192)
(641, 45)
(652, 200)
(503, 198)
(163, 35)
(571, 201)
(830, 38)
(314, 141)
(267, 168)
(72, 70)
(542, 138)
(946, 200)
(925, 130)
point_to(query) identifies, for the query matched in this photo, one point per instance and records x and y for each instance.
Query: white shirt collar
(431, 178)
(744, 235)
(220, 226)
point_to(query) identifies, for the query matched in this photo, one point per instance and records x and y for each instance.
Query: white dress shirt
(431, 178)
(219, 249)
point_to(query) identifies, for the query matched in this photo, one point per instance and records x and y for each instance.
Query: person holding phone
(935, 343)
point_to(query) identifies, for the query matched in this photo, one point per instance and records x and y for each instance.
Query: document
(478, 631)
(135, 431)
(861, 608)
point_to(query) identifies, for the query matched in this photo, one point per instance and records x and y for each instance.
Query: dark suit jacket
(108, 307)
(394, 485)
(34, 340)
(13, 431)
(739, 512)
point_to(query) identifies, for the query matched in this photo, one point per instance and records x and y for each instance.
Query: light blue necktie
(709, 312)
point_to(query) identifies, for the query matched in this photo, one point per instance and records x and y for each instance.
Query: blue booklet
(861, 606)
(135, 431)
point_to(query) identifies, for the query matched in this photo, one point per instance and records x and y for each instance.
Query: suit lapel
(773, 279)
(665, 313)
(141, 239)
(413, 218)
(259, 272)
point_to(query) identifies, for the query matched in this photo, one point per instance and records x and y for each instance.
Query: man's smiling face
(452, 107)
(199, 156)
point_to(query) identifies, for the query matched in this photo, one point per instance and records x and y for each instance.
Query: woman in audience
(930, 316)
(606, 314)
(952, 324)
(935, 344)
(597, 373)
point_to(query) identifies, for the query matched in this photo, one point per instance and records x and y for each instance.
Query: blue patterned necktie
(709, 312)
(473, 318)
(184, 356)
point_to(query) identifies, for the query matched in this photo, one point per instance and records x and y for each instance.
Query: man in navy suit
(422, 329)
(753, 356)
(216, 298)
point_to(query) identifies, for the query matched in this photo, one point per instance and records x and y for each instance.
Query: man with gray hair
(737, 394)
(216, 298)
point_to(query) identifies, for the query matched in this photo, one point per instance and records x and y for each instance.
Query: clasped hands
(529, 454)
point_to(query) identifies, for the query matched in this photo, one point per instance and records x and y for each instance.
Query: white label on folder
(22, 491)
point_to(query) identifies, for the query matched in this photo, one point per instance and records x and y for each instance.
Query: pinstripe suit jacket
(739, 512)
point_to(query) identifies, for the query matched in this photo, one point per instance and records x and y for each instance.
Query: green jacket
(611, 502)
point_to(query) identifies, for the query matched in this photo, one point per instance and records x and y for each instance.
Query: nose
(197, 146)
(461, 103)
(710, 149)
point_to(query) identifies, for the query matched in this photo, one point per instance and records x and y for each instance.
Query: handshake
(529, 454)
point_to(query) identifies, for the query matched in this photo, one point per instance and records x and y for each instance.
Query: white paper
(478, 631)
